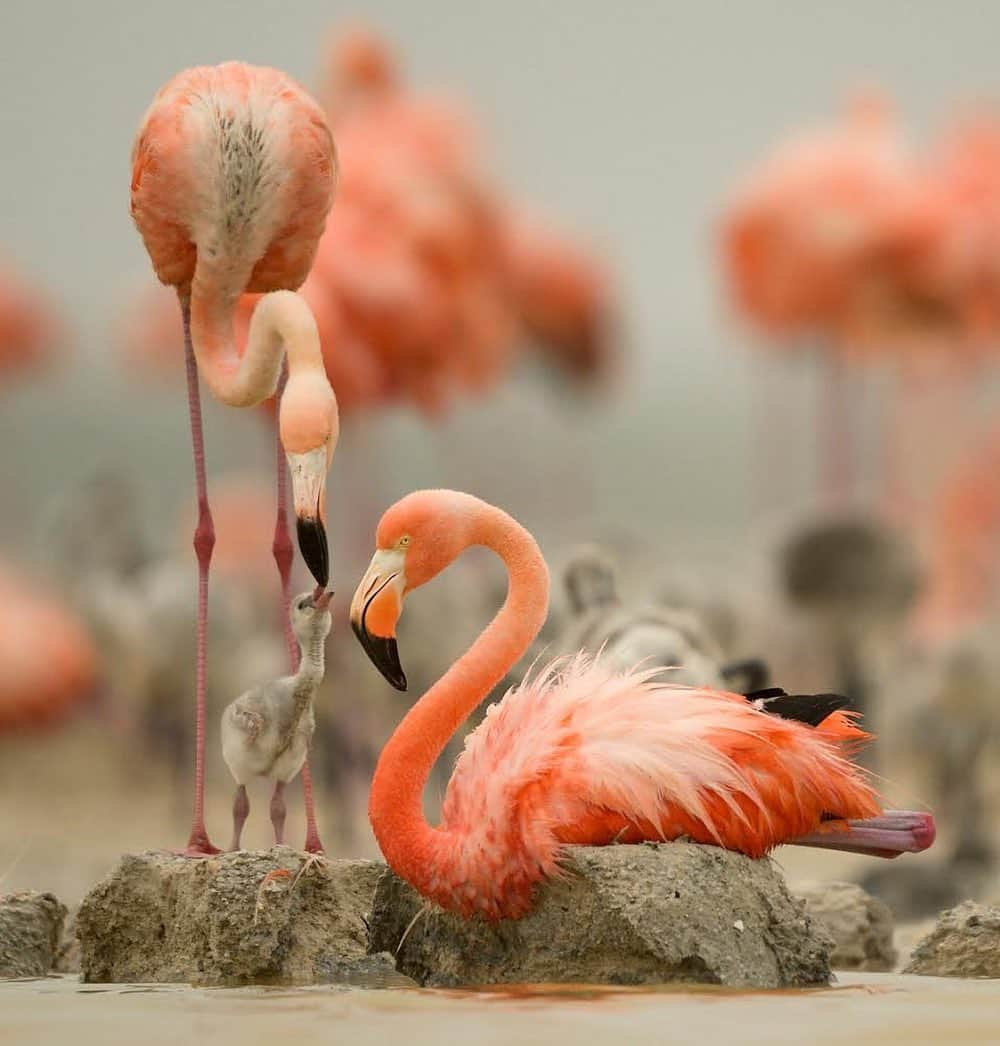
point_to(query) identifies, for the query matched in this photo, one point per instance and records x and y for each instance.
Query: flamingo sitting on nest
(232, 177)
(579, 754)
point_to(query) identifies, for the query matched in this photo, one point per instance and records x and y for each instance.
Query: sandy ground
(863, 1008)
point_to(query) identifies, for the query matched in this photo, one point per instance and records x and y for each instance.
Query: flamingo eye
(403, 542)
(302, 604)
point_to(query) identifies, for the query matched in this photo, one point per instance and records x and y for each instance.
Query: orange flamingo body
(174, 180)
(578, 754)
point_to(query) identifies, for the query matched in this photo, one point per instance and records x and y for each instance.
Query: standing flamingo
(233, 174)
(796, 245)
(579, 754)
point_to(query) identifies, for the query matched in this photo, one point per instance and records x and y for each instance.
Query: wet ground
(861, 1008)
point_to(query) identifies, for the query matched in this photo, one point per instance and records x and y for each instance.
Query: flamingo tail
(893, 833)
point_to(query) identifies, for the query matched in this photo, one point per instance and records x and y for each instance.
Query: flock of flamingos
(418, 287)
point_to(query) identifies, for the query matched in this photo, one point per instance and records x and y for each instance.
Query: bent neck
(282, 324)
(396, 803)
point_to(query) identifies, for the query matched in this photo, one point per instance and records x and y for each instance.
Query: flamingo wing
(580, 754)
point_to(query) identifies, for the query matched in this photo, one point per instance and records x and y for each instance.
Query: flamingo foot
(313, 844)
(199, 844)
(309, 864)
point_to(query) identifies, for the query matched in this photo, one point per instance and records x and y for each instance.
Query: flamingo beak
(321, 598)
(375, 610)
(309, 501)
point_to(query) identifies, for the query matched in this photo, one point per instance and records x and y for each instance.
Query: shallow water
(861, 1008)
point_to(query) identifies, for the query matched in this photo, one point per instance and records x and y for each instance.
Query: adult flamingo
(579, 754)
(233, 174)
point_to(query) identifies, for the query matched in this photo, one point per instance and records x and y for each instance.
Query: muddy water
(862, 1008)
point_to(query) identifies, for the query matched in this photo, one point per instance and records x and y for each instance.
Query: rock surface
(30, 927)
(860, 925)
(922, 888)
(67, 958)
(648, 914)
(270, 917)
(964, 943)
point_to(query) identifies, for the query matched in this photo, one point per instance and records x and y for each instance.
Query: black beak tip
(384, 655)
(313, 546)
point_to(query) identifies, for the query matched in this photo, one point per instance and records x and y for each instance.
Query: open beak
(375, 610)
(309, 501)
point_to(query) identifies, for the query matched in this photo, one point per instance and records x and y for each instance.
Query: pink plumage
(208, 127)
(580, 754)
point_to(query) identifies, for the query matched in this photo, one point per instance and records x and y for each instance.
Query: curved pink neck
(282, 323)
(395, 807)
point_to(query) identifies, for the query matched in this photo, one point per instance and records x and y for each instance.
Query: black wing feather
(810, 709)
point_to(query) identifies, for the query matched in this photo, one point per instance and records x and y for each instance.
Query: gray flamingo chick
(266, 731)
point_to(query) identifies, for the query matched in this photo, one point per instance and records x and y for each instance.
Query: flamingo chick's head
(309, 426)
(416, 539)
(311, 614)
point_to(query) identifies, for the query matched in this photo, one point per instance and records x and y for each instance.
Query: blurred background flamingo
(28, 328)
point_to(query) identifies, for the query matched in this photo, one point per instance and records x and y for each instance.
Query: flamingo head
(416, 539)
(308, 425)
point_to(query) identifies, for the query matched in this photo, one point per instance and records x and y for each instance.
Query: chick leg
(241, 808)
(278, 812)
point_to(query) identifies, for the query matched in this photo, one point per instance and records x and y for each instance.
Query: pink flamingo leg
(283, 554)
(204, 541)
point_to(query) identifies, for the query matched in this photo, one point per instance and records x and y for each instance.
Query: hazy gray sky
(631, 119)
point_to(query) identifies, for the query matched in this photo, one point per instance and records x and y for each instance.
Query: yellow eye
(404, 541)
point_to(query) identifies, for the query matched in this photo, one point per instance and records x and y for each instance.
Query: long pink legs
(204, 541)
(283, 553)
